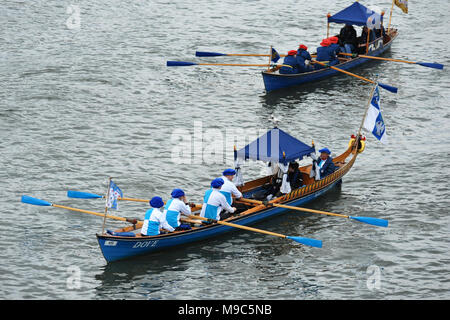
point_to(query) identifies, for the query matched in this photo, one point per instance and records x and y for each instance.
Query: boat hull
(275, 81)
(117, 248)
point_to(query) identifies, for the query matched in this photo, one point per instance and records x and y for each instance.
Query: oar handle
(311, 210)
(238, 226)
(90, 212)
(384, 86)
(368, 220)
(343, 71)
(294, 208)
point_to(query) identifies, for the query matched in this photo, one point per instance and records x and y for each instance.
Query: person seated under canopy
(294, 176)
(348, 39)
(362, 40)
(290, 64)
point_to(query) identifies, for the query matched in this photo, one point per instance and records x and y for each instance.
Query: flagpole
(270, 58)
(368, 106)
(390, 17)
(106, 204)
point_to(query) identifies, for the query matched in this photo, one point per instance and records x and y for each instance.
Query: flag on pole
(275, 56)
(402, 4)
(374, 121)
(114, 194)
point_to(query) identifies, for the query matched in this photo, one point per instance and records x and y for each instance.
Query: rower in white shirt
(214, 202)
(229, 189)
(176, 207)
(155, 219)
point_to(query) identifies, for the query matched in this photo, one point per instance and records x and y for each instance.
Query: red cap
(302, 46)
(325, 42)
(334, 39)
(292, 52)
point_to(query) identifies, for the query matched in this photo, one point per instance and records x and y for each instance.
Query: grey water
(85, 94)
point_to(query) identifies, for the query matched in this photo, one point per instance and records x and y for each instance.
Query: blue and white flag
(114, 194)
(374, 121)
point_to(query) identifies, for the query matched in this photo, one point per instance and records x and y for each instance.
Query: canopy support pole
(368, 37)
(270, 58)
(390, 17)
(328, 25)
(106, 205)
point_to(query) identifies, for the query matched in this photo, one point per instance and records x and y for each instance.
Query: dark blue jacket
(326, 54)
(335, 47)
(327, 168)
(303, 55)
(291, 61)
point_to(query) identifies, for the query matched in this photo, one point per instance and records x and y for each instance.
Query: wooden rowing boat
(273, 80)
(116, 246)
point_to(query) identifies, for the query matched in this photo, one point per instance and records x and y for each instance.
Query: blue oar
(39, 202)
(82, 195)
(185, 63)
(368, 220)
(217, 54)
(305, 241)
(385, 86)
(424, 64)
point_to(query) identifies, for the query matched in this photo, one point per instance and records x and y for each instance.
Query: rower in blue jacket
(326, 54)
(335, 45)
(303, 56)
(290, 63)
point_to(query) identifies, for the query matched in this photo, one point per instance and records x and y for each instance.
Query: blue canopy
(356, 14)
(272, 145)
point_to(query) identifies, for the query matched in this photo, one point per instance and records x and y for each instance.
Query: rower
(303, 56)
(175, 207)
(155, 219)
(290, 64)
(229, 189)
(326, 54)
(214, 202)
(324, 163)
(334, 45)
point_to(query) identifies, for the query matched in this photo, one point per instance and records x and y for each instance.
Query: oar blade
(82, 195)
(307, 241)
(35, 201)
(180, 63)
(388, 87)
(372, 221)
(431, 65)
(209, 54)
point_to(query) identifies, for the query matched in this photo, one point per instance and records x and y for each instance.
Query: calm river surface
(85, 99)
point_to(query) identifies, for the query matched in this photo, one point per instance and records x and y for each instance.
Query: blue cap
(326, 150)
(177, 193)
(156, 202)
(229, 172)
(217, 183)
